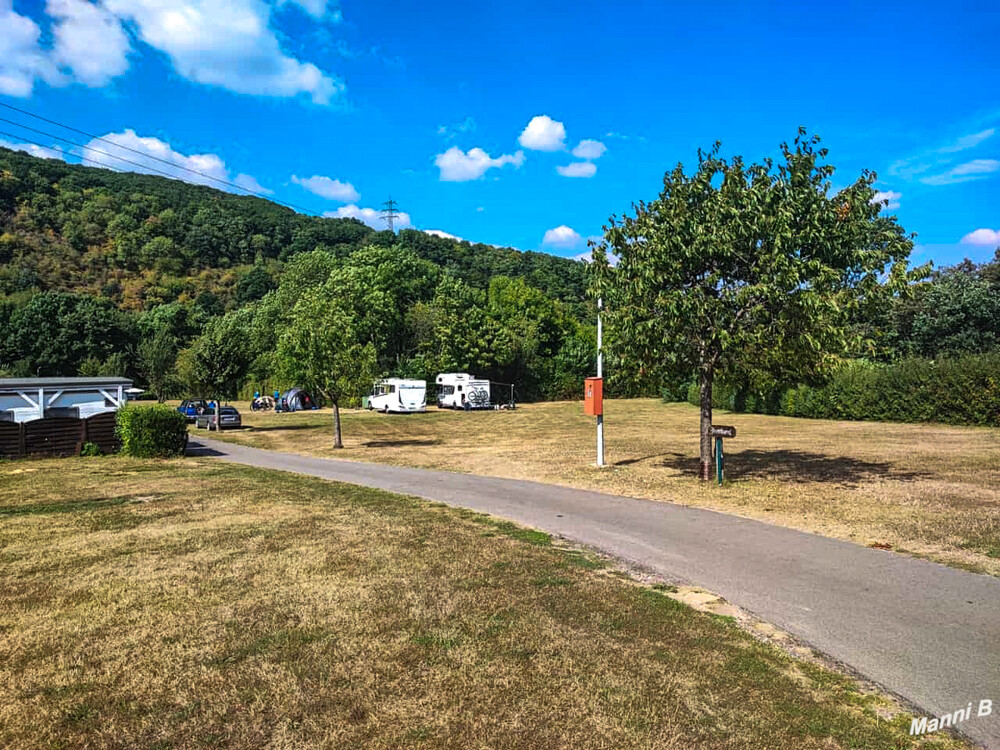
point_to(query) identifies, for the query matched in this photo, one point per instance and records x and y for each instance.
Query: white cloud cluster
(30, 148)
(589, 149)
(325, 187)
(561, 236)
(89, 41)
(543, 134)
(578, 169)
(890, 199)
(225, 43)
(21, 59)
(941, 166)
(210, 166)
(370, 216)
(456, 165)
(983, 237)
(970, 170)
(442, 233)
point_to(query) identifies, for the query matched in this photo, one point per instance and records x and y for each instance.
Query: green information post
(720, 431)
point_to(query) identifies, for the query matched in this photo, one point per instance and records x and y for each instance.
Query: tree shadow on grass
(399, 443)
(797, 467)
(288, 427)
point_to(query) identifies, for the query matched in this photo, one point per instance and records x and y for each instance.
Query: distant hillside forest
(93, 263)
(109, 273)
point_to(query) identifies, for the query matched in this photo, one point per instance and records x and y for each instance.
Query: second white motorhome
(459, 390)
(399, 396)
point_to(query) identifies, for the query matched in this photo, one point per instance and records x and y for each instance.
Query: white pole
(600, 374)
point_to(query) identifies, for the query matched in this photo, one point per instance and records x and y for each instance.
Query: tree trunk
(705, 391)
(337, 441)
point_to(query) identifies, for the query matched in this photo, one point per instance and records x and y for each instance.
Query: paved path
(925, 631)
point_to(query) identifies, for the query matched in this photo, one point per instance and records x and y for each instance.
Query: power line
(140, 153)
(389, 213)
(49, 148)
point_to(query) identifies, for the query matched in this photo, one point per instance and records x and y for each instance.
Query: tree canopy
(744, 269)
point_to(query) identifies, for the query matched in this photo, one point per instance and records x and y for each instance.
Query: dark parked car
(192, 407)
(228, 417)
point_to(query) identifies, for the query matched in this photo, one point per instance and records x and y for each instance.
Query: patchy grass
(931, 490)
(222, 606)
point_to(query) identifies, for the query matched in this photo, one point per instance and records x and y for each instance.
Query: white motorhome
(399, 396)
(459, 390)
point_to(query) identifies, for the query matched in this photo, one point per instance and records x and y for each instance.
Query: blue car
(192, 407)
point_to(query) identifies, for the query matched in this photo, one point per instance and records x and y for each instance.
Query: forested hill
(141, 240)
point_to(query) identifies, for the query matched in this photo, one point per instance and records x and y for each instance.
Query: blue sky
(524, 124)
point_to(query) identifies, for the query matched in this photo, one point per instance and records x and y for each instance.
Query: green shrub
(91, 449)
(152, 431)
(964, 390)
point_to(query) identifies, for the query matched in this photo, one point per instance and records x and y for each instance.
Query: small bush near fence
(965, 390)
(152, 431)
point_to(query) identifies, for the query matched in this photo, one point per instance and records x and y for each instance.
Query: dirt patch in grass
(928, 490)
(244, 608)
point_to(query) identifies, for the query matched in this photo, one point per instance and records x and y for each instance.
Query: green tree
(157, 356)
(53, 334)
(738, 268)
(321, 350)
(957, 312)
(219, 358)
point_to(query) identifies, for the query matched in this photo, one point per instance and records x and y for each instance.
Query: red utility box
(593, 397)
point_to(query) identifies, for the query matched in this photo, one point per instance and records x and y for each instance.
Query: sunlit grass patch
(199, 604)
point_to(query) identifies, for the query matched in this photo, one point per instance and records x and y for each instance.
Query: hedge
(965, 390)
(152, 431)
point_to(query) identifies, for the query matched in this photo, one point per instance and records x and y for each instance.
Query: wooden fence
(58, 436)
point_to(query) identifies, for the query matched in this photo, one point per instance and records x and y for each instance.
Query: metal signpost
(720, 431)
(600, 374)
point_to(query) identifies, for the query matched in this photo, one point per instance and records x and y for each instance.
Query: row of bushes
(964, 390)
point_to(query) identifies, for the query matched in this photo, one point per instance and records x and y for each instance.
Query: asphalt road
(927, 632)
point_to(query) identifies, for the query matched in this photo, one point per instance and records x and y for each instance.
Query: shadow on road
(797, 466)
(194, 448)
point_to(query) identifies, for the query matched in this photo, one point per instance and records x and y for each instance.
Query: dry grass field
(928, 490)
(190, 603)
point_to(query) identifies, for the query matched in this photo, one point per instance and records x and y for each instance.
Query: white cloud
(226, 43)
(41, 151)
(970, 170)
(370, 216)
(468, 125)
(442, 233)
(460, 166)
(881, 196)
(589, 149)
(325, 187)
(561, 236)
(967, 141)
(22, 61)
(315, 8)
(578, 169)
(249, 183)
(543, 134)
(209, 165)
(982, 237)
(88, 40)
